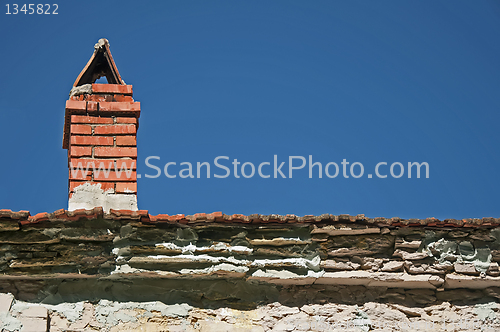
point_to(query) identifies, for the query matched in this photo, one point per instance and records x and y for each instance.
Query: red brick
(90, 119)
(108, 98)
(91, 140)
(126, 164)
(104, 185)
(114, 176)
(126, 141)
(93, 163)
(122, 98)
(115, 152)
(76, 105)
(92, 106)
(126, 120)
(112, 88)
(81, 129)
(126, 187)
(80, 151)
(114, 130)
(106, 163)
(120, 107)
(98, 98)
(80, 174)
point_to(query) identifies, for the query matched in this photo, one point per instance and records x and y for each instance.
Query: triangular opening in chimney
(102, 80)
(100, 65)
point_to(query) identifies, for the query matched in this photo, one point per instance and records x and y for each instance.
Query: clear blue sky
(367, 81)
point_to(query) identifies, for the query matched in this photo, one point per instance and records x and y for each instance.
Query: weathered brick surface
(101, 123)
(92, 163)
(80, 151)
(126, 120)
(124, 164)
(112, 88)
(91, 119)
(115, 176)
(126, 187)
(107, 107)
(80, 175)
(81, 129)
(126, 141)
(115, 152)
(76, 105)
(91, 140)
(115, 130)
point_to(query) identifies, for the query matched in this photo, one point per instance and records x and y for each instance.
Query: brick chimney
(100, 130)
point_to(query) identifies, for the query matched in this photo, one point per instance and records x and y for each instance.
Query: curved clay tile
(101, 64)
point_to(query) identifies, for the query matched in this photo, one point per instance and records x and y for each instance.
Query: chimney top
(100, 64)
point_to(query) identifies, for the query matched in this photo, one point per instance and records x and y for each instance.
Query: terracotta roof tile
(39, 217)
(9, 214)
(127, 214)
(25, 219)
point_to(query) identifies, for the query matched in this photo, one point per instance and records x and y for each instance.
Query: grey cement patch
(125, 268)
(482, 259)
(123, 317)
(19, 306)
(51, 232)
(9, 323)
(111, 313)
(72, 311)
(485, 311)
(80, 90)
(362, 321)
(463, 252)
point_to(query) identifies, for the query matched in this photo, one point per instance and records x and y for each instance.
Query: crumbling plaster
(87, 196)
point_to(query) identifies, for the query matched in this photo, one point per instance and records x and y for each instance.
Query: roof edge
(25, 218)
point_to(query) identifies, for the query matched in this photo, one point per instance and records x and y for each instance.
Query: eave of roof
(24, 218)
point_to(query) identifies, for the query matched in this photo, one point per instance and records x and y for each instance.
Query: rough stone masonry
(122, 270)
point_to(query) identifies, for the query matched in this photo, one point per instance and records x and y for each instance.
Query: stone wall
(113, 316)
(348, 268)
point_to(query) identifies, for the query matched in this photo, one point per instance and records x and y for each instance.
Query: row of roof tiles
(24, 218)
